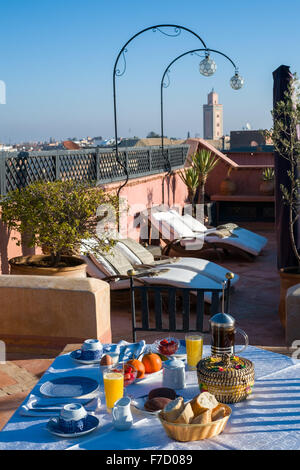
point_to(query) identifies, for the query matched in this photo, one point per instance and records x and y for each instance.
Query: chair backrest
(172, 308)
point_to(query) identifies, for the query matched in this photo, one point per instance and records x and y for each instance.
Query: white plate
(139, 404)
(148, 376)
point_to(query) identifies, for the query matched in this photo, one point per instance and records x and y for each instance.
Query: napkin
(125, 350)
(29, 408)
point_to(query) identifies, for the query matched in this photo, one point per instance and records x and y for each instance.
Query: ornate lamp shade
(207, 66)
(237, 82)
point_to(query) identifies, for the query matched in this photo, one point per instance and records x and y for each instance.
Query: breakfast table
(268, 419)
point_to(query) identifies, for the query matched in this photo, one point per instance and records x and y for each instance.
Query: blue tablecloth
(269, 419)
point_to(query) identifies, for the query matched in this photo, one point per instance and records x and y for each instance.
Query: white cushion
(193, 223)
(132, 258)
(172, 226)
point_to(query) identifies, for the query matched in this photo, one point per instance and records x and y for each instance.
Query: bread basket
(229, 378)
(194, 432)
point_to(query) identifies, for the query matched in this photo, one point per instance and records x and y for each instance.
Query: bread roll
(173, 409)
(202, 402)
(218, 413)
(202, 418)
(186, 415)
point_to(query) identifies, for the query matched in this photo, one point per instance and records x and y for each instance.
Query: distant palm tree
(203, 162)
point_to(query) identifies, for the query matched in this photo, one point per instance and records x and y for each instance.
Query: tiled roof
(197, 144)
(69, 145)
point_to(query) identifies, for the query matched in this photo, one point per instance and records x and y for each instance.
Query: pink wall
(142, 193)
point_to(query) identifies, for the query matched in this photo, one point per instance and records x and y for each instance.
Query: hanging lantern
(207, 66)
(237, 82)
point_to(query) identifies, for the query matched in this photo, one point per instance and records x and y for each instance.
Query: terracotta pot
(227, 187)
(288, 277)
(267, 188)
(76, 267)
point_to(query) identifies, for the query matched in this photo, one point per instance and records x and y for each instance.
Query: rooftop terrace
(254, 305)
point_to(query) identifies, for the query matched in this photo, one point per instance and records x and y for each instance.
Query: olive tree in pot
(57, 217)
(284, 134)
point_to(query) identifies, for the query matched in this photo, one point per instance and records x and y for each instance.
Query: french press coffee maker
(223, 327)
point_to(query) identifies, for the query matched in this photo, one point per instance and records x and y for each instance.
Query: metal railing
(17, 170)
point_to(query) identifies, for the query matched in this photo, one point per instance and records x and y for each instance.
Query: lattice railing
(100, 165)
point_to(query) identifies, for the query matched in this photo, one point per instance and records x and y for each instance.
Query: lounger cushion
(171, 225)
(244, 239)
(194, 224)
(135, 252)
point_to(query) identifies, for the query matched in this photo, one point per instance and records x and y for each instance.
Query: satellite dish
(248, 126)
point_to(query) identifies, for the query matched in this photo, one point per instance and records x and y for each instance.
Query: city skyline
(57, 60)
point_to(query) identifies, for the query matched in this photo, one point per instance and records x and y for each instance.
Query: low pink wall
(9, 248)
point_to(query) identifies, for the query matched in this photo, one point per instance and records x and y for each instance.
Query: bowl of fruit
(130, 374)
(166, 346)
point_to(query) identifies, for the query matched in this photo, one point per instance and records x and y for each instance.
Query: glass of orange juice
(113, 378)
(194, 349)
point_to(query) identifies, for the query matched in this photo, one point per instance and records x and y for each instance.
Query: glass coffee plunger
(223, 328)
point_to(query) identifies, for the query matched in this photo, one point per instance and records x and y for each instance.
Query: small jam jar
(174, 374)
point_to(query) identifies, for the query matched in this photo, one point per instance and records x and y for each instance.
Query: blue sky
(56, 58)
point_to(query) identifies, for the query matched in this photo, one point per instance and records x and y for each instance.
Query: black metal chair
(172, 306)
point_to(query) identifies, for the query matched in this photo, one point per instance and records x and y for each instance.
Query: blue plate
(92, 422)
(76, 356)
(68, 387)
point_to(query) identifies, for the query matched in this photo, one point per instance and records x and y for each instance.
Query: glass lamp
(207, 66)
(237, 82)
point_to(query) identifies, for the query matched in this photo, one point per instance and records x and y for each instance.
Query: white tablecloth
(269, 419)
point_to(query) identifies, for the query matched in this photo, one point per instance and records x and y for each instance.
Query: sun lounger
(185, 236)
(113, 268)
(139, 256)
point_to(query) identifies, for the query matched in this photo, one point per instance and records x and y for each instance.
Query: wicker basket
(229, 378)
(194, 432)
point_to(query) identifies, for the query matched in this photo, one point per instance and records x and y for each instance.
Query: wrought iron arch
(166, 85)
(118, 73)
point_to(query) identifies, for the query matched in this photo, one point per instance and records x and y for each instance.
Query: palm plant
(204, 163)
(268, 174)
(190, 178)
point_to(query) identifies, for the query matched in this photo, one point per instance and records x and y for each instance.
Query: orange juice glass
(113, 378)
(194, 349)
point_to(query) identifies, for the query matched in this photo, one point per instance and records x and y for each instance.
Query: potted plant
(267, 185)
(228, 186)
(284, 134)
(56, 217)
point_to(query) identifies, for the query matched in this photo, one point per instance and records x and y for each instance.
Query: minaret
(212, 117)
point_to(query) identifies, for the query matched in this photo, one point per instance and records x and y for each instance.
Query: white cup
(91, 349)
(72, 417)
(121, 414)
